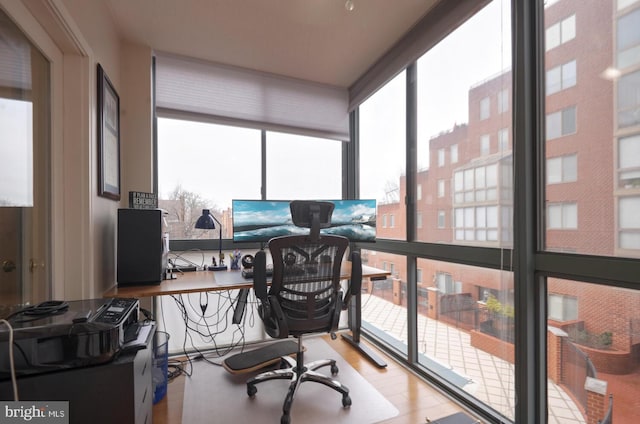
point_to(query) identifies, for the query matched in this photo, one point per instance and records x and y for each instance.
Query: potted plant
(501, 315)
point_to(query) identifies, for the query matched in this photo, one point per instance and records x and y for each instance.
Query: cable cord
(208, 324)
(12, 364)
(39, 311)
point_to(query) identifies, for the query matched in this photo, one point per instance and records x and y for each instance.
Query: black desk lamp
(207, 222)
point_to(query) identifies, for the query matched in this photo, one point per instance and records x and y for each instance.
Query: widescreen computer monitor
(261, 220)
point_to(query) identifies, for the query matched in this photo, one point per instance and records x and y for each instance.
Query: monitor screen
(261, 220)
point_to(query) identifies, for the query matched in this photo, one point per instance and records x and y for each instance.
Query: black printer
(57, 335)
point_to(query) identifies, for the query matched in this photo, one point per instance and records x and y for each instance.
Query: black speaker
(143, 245)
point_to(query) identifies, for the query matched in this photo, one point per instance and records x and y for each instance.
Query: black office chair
(305, 296)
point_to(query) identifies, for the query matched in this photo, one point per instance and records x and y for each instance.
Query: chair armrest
(260, 275)
(355, 284)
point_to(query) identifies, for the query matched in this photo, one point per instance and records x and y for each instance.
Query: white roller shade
(251, 98)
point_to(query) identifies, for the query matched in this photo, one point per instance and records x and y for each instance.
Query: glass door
(24, 174)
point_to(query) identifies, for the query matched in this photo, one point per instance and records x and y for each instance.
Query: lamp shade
(206, 221)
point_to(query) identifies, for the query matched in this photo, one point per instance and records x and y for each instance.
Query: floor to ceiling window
(463, 196)
(465, 335)
(591, 199)
(464, 190)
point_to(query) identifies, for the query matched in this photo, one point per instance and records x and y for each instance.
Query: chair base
(298, 372)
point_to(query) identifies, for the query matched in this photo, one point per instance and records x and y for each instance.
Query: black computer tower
(143, 245)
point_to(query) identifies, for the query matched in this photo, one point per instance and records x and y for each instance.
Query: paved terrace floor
(490, 379)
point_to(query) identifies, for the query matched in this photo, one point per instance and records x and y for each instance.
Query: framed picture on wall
(108, 138)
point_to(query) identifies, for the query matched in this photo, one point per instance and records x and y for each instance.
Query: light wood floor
(413, 397)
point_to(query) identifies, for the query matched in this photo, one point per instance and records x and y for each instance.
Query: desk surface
(200, 281)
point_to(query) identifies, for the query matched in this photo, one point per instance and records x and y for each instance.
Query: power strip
(186, 268)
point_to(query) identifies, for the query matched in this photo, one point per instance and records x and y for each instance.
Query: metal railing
(576, 367)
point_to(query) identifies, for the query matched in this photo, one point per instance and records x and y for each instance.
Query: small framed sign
(141, 200)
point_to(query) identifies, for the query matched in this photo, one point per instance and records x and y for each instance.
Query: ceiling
(315, 40)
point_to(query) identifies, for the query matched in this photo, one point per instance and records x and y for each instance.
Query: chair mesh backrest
(306, 280)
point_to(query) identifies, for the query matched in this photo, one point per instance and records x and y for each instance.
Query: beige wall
(129, 69)
(84, 224)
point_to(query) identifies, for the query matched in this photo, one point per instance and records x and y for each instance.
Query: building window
(476, 223)
(441, 219)
(629, 162)
(440, 157)
(454, 153)
(485, 144)
(562, 216)
(561, 32)
(562, 307)
(628, 39)
(485, 108)
(561, 77)
(562, 169)
(503, 139)
(441, 187)
(419, 192)
(419, 276)
(503, 101)
(419, 219)
(446, 285)
(476, 184)
(384, 221)
(629, 222)
(561, 123)
(392, 221)
(629, 100)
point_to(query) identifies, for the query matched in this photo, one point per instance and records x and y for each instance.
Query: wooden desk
(203, 281)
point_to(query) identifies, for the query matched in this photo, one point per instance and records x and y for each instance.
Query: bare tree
(183, 208)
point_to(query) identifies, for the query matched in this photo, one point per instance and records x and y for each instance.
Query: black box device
(143, 245)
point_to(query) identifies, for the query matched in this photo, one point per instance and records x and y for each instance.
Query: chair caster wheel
(251, 390)
(286, 419)
(334, 369)
(346, 401)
